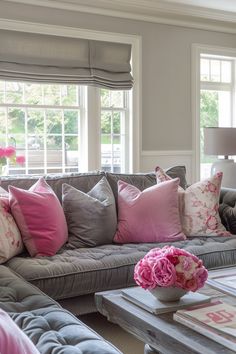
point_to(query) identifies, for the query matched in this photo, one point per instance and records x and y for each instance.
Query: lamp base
(228, 167)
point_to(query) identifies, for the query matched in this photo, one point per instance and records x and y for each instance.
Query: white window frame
(91, 139)
(197, 50)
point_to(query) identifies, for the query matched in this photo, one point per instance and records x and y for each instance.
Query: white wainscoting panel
(168, 158)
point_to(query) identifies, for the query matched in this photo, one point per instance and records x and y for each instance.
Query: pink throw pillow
(148, 216)
(10, 238)
(12, 339)
(199, 206)
(40, 218)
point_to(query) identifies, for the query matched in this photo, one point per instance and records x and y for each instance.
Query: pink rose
(187, 266)
(211, 222)
(164, 272)
(171, 250)
(143, 274)
(2, 152)
(180, 280)
(173, 259)
(10, 151)
(154, 252)
(201, 276)
(20, 160)
(191, 284)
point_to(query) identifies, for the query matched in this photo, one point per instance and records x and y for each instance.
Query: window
(46, 123)
(217, 99)
(114, 130)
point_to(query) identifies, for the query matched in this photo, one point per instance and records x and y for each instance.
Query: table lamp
(222, 141)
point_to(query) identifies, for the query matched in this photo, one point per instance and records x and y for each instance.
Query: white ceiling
(217, 15)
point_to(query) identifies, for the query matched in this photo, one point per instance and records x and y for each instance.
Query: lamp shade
(220, 141)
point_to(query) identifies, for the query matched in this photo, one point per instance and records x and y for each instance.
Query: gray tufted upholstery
(54, 330)
(51, 328)
(87, 270)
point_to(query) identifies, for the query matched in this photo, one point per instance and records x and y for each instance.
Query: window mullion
(233, 95)
(26, 142)
(45, 141)
(94, 128)
(63, 141)
(112, 143)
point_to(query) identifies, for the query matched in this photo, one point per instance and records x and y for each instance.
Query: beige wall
(166, 68)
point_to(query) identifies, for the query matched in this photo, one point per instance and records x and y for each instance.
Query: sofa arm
(227, 209)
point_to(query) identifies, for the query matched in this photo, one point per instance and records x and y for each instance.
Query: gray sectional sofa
(50, 327)
(30, 287)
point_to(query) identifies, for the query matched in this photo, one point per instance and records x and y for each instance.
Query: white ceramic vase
(170, 293)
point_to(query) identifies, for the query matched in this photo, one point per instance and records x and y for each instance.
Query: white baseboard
(168, 158)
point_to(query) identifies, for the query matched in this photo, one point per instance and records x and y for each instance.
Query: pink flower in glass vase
(20, 160)
(2, 152)
(10, 151)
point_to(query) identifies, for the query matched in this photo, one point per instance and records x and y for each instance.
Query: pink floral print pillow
(10, 238)
(199, 205)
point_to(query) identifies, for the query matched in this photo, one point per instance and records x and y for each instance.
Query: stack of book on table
(147, 301)
(216, 320)
(224, 280)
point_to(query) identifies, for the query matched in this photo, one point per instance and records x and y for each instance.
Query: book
(147, 301)
(224, 281)
(215, 320)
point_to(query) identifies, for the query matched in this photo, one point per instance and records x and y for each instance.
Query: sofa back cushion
(227, 209)
(40, 218)
(91, 217)
(82, 181)
(148, 216)
(145, 180)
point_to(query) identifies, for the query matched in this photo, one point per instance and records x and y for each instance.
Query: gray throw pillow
(91, 217)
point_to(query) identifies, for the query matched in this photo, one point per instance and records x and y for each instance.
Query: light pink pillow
(148, 216)
(40, 218)
(12, 339)
(199, 206)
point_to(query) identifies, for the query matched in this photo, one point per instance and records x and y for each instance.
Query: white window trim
(197, 50)
(90, 161)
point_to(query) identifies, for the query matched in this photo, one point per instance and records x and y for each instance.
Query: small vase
(170, 293)
(3, 170)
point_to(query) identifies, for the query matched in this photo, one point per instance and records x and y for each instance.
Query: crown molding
(161, 11)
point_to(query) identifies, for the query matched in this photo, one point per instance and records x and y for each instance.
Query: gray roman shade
(48, 58)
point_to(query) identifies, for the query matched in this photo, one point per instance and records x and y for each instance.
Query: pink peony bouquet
(170, 266)
(9, 153)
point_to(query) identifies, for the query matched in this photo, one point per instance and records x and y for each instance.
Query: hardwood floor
(124, 341)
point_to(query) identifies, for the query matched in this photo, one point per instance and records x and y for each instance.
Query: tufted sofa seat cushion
(54, 330)
(17, 295)
(51, 328)
(87, 270)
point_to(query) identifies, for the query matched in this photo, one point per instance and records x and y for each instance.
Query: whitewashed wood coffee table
(160, 333)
